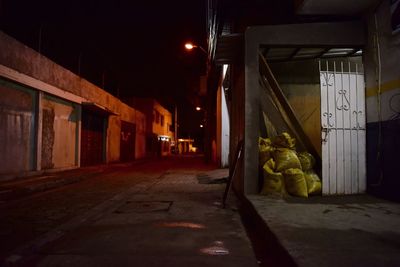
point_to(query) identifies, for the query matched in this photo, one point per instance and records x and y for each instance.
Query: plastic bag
(285, 159)
(265, 150)
(307, 161)
(295, 182)
(284, 140)
(314, 185)
(273, 181)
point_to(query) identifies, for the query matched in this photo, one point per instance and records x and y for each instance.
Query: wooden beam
(286, 111)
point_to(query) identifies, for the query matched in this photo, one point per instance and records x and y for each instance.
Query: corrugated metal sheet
(230, 49)
(17, 128)
(92, 137)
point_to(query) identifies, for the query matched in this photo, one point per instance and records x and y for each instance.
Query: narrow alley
(200, 133)
(161, 212)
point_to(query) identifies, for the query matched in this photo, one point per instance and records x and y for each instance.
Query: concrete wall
(113, 139)
(140, 141)
(382, 69)
(339, 34)
(237, 124)
(157, 127)
(59, 133)
(151, 128)
(224, 131)
(299, 81)
(222, 136)
(23, 65)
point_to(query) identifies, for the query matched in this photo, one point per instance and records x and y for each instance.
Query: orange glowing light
(198, 108)
(189, 46)
(201, 125)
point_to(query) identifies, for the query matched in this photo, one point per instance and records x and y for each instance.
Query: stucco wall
(382, 69)
(299, 81)
(113, 139)
(38, 72)
(59, 133)
(382, 61)
(140, 141)
(157, 127)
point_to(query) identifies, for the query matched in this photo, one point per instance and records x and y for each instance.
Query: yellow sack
(273, 181)
(314, 185)
(307, 161)
(265, 150)
(295, 182)
(285, 159)
(284, 140)
(271, 164)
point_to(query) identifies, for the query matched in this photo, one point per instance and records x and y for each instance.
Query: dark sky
(136, 45)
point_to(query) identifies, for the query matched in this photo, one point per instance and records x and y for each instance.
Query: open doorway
(324, 94)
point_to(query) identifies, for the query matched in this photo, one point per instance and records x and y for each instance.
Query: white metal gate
(343, 128)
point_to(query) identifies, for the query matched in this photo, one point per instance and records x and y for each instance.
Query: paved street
(164, 212)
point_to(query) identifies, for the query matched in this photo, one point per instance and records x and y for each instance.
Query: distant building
(159, 133)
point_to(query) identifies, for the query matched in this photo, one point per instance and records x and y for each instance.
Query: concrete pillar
(39, 128)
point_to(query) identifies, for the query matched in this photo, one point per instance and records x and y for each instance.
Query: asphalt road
(164, 211)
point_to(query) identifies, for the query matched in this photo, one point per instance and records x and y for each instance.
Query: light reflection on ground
(181, 225)
(216, 249)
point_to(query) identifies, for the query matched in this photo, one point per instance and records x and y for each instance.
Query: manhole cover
(144, 206)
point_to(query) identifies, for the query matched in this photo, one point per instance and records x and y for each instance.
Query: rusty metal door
(92, 138)
(343, 128)
(128, 135)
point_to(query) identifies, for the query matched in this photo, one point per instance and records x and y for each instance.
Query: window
(162, 120)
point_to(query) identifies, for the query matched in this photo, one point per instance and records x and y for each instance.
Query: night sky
(137, 46)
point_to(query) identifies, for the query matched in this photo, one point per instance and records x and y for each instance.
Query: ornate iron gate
(343, 128)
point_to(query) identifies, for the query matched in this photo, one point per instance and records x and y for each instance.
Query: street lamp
(190, 46)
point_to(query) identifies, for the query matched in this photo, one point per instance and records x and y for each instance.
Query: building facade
(52, 119)
(159, 131)
(350, 42)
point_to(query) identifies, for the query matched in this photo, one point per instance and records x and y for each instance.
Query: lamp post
(190, 46)
(206, 126)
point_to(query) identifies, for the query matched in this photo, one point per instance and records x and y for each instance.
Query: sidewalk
(24, 186)
(356, 230)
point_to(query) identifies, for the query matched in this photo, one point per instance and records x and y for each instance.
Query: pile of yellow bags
(286, 171)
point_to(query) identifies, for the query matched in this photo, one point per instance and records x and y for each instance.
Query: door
(343, 128)
(127, 145)
(92, 138)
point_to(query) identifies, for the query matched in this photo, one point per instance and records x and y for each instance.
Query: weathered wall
(382, 69)
(157, 127)
(222, 137)
(140, 141)
(237, 123)
(299, 81)
(59, 133)
(28, 67)
(113, 139)
(17, 128)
